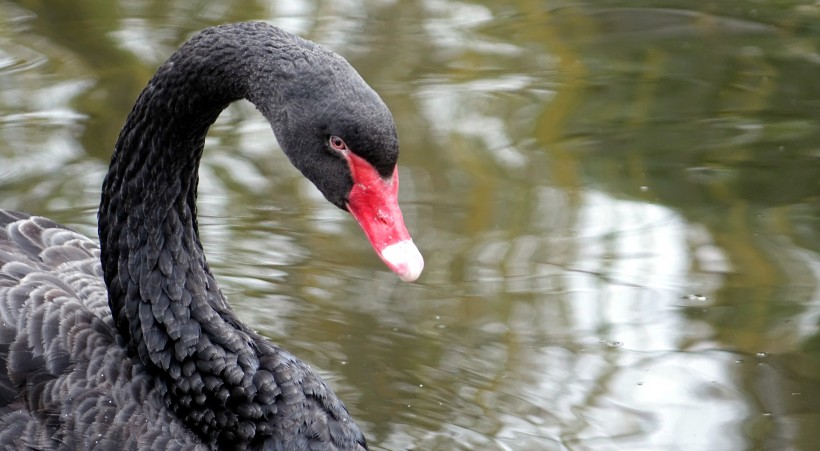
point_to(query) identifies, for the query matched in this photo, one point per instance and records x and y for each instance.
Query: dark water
(618, 202)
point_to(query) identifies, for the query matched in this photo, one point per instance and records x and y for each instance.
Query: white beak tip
(404, 259)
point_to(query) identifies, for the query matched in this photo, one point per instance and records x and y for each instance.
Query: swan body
(131, 344)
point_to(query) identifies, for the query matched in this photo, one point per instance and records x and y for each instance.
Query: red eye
(337, 143)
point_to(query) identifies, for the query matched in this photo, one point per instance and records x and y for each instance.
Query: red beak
(373, 202)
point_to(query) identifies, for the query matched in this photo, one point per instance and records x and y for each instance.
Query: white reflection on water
(38, 123)
(604, 356)
(450, 26)
(636, 259)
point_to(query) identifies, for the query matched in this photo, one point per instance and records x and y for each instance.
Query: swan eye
(338, 144)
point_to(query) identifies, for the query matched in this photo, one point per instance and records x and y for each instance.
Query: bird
(130, 344)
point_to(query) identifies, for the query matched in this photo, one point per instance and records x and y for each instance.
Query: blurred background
(618, 203)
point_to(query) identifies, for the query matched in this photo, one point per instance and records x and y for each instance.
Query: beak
(373, 202)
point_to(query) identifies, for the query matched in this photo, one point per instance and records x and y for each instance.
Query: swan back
(66, 379)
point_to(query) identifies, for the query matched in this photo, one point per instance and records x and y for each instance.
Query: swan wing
(66, 380)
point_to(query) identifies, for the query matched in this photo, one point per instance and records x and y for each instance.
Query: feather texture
(66, 380)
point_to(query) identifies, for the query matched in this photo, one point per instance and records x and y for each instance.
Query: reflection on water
(618, 209)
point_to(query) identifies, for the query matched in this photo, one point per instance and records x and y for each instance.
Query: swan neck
(231, 387)
(162, 294)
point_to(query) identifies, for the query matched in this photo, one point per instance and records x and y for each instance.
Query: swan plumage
(131, 344)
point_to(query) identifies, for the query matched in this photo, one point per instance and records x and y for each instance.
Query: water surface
(618, 202)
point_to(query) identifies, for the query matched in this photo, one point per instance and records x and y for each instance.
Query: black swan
(132, 345)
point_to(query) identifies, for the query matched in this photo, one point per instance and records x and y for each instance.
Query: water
(618, 202)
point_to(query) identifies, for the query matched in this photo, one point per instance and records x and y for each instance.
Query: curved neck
(147, 220)
(163, 297)
(227, 384)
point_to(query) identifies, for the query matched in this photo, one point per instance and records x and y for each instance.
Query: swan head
(339, 133)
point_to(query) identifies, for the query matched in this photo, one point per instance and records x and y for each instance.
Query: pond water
(618, 203)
